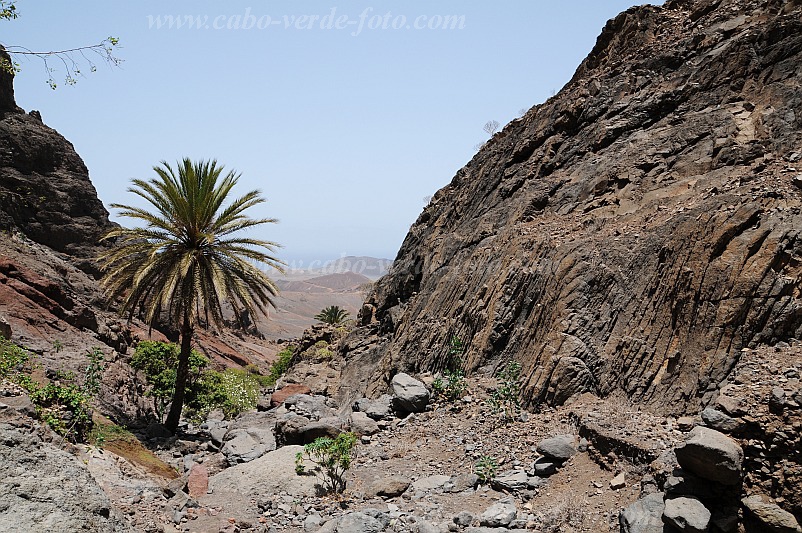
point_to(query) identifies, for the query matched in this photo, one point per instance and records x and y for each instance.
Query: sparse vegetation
(333, 314)
(280, 365)
(332, 458)
(491, 127)
(63, 402)
(453, 384)
(505, 400)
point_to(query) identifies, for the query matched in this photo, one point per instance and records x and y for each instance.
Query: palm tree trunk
(181, 377)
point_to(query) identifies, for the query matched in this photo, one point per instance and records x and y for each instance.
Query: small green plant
(333, 314)
(57, 346)
(505, 400)
(454, 385)
(485, 468)
(333, 458)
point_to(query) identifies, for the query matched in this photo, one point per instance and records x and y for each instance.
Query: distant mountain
(371, 267)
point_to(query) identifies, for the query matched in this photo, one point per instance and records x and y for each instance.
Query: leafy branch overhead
(72, 61)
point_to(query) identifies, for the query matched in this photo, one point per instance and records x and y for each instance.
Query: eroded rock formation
(634, 233)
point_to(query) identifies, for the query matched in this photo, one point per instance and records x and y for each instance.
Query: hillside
(631, 235)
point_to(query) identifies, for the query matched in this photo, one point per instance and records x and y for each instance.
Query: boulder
(378, 409)
(430, 483)
(559, 448)
(510, 481)
(771, 516)
(360, 523)
(499, 514)
(289, 429)
(643, 516)
(715, 419)
(544, 467)
(463, 519)
(410, 395)
(388, 487)
(462, 482)
(688, 515)
(312, 407)
(266, 476)
(245, 445)
(362, 424)
(712, 456)
(285, 392)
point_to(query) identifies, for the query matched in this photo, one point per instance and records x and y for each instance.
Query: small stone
(499, 515)
(618, 482)
(686, 423)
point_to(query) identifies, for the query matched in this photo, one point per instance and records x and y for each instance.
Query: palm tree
(188, 257)
(333, 314)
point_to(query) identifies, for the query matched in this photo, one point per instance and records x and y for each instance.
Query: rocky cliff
(631, 235)
(45, 190)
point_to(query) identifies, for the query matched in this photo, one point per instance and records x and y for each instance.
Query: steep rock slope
(634, 233)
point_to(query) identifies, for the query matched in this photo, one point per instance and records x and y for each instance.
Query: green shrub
(280, 366)
(159, 362)
(333, 458)
(505, 400)
(232, 391)
(485, 468)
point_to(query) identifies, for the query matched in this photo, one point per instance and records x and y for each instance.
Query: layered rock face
(634, 233)
(45, 190)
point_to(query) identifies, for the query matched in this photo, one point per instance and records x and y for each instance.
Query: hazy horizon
(344, 128)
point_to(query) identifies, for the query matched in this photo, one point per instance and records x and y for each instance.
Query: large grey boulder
(410, 395)
(643, 516)
(499, 514)
(711, 455)
(245, 445)
(46, 489)
(772, 517)
(688, 515)
(430, 483)
(270, 474)
(559, 448)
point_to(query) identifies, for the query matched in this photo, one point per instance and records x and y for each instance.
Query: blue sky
(344, 131)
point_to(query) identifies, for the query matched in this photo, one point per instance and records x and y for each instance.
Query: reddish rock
(282, 394)
(198, 482)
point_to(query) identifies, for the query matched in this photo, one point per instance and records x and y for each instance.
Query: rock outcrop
(45, 191)
(45, 488)
(634, 233)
